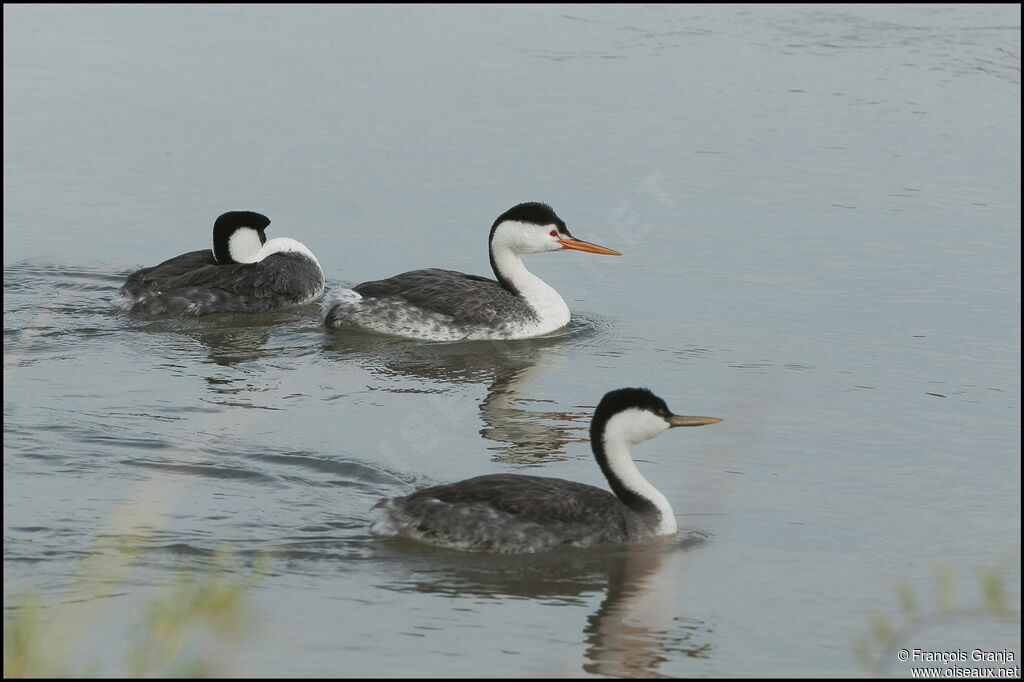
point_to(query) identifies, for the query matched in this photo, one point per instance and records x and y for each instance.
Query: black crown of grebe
(513, 513)
(244, 272)
(443, 305)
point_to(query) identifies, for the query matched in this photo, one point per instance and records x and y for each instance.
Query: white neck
(283, 245)
(545, 301)
(622, 431)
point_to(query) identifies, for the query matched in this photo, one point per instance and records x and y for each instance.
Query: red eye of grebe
(553, 233)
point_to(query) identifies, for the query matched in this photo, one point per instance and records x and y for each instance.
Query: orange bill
(579, 245)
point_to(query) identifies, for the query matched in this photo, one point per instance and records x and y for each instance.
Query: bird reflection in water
(508, 369)
(635, 629)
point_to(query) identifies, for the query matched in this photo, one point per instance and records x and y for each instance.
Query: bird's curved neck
(283, 245)
(512, 274)
(611, 446)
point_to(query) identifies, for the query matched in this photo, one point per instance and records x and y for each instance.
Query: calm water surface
(819, 208)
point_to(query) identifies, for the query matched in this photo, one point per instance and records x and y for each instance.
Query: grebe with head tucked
(444, 305)
(244, 272)
(514, 513)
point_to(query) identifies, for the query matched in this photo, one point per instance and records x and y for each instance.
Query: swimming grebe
(444, 305)
(514, 513)
(244, 272)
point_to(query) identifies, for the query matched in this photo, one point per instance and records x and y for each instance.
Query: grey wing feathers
(194, 283)
(466, 299)
(180, 268)
(534, 498)
(284, 275)
(511, 513)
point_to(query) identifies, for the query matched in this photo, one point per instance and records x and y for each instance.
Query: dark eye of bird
(661, 411)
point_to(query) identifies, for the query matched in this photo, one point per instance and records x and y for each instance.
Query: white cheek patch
(243, 245)
(634, 426)
(525, 237)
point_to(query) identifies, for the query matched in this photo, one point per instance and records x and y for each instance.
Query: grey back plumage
(442, 304)
(511, 513)
(464, 299)
(196, 284)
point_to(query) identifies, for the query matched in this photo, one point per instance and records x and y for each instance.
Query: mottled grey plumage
(197, 283)
(466, 299)
(464, 304)
(511, 513)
